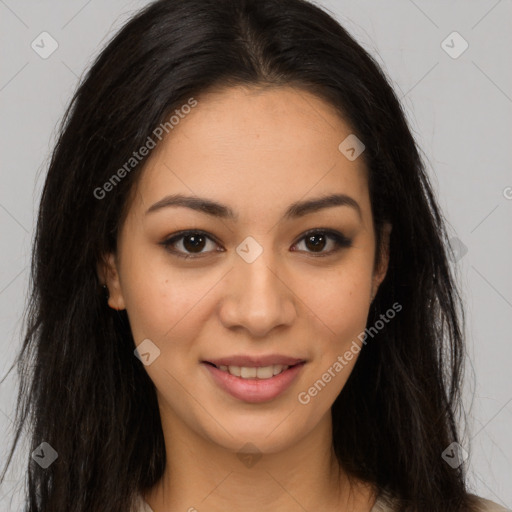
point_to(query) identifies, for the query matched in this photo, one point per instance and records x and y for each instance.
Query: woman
(241, 295)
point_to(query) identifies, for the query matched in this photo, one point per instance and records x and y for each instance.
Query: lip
(251, 361)
(254, 390)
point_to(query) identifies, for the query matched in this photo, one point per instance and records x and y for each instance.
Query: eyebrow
(215, 209)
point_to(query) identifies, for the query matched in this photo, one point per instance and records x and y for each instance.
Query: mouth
(254, 372)
(251, 382)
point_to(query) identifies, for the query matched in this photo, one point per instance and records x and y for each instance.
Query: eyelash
(341, 242)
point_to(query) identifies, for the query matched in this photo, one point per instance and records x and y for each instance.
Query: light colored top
(384, 503)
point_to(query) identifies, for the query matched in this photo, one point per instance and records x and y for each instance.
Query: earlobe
(108, 275)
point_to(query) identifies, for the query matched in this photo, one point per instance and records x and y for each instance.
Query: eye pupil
(315, 245)
(194, 243)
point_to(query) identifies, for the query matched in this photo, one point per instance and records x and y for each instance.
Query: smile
(253, 384)
(254, 372)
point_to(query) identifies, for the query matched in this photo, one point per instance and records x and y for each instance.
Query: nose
(258, 298)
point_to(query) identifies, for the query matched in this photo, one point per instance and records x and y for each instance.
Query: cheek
(149, 312)
(167, 318)
(164, 302)
(341, 304)
(341, 300)
(341, 312)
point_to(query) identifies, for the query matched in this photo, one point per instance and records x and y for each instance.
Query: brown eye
(190, 244)
(316, 241)
(194, 243)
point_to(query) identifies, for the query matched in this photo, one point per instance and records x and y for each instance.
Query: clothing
(384, 503)
(140, 505)
(490, 506)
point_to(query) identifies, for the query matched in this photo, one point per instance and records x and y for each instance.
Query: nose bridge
(257, 299)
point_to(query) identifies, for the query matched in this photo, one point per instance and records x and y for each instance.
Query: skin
(257, 151)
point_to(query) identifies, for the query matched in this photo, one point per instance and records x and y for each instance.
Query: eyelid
(176, 237)
(340, 240)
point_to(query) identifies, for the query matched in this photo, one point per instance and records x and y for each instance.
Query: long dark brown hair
(83, 391)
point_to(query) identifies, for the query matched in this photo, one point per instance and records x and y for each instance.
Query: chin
(268, 433)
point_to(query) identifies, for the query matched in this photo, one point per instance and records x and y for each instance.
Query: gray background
(460, 113)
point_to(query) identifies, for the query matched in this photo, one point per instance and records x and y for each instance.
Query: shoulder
(484, 505)
(140, 505)
(387, 503)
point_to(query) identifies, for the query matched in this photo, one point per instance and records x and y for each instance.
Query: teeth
(248, 373)
(278, 368)
(265, 372)
(234, 370)
(260, 372)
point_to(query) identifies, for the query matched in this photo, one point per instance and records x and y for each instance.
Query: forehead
(254, 148)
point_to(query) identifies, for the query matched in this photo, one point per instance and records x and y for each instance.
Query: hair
(83, 391)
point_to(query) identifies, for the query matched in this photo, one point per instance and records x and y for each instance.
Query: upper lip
(251, 361)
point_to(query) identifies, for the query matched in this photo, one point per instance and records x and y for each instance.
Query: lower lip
(254, 390)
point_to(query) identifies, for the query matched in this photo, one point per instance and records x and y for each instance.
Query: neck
(201, 475)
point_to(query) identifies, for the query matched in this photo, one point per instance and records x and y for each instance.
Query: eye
(192, 244)
(316, 240)
(189, 244)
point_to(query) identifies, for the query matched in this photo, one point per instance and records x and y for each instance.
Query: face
(233, 270)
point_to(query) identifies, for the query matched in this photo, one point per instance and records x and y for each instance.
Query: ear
(108, 275)
(381, 266)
